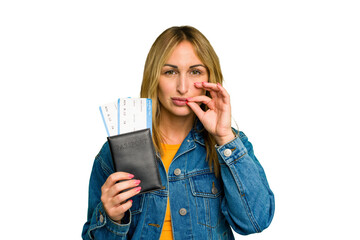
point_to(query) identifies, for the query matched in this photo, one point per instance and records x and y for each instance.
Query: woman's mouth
(178, 101)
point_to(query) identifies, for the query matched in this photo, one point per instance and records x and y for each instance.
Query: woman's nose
(183, 84)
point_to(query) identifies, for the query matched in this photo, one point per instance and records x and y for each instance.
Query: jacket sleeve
(249, 203)
(99, 225)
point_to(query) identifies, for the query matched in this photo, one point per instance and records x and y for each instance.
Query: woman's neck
(174, 129)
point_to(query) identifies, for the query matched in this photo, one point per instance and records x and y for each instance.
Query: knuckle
(120, 198)
(126, 206)
(122, 209)
(117, 188)
(103, 199)
(112, 178)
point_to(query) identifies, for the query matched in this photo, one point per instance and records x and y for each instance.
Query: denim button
(101, 218)
(182, 211)
(227, 152)
(214, 190)
(177, 171)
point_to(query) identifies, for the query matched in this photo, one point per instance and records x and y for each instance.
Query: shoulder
(104, 151)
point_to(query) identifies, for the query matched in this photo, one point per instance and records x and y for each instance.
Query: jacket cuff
(231, 152)
(103, 220)
(116, 228)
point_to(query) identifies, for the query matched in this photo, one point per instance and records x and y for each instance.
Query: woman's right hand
(114, 200)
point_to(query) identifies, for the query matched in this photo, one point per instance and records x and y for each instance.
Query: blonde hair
(157, 57)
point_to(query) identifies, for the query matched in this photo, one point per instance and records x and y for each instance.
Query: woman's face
(177, 78)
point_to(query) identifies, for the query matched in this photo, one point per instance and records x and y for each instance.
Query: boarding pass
(127, 115)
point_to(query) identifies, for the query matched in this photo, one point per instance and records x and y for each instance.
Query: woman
(211, 178)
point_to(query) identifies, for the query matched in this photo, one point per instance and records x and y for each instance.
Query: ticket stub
(109, 114)
(131, 114)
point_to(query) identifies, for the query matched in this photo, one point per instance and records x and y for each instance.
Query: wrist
(225, 139)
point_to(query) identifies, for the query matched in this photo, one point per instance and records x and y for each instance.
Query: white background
(291, 68)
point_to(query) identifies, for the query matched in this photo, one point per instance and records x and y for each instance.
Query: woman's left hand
(217, 119)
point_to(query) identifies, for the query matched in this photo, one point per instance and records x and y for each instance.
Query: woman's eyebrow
(197, 65)
(170, 65)
(174, 66)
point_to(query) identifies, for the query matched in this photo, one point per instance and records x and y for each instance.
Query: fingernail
(131, 200)
(189, 98)
(131, 176)
(137, 182)
(137, 189)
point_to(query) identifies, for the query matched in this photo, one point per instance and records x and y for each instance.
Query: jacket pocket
(207, 192)
(137, 205)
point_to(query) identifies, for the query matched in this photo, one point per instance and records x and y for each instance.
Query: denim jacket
(202, 206)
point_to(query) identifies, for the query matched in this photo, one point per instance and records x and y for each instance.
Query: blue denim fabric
(202, 206)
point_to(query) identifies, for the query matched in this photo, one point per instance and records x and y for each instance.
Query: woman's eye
(170, 72)
(195, 72)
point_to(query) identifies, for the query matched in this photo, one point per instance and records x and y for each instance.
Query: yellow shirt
(169, 152)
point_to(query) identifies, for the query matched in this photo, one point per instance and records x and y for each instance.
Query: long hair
(157, 57)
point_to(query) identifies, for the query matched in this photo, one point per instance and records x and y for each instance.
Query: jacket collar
(195, 135)
(197, 132)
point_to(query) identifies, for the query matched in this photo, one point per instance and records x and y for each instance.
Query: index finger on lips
(201, 98)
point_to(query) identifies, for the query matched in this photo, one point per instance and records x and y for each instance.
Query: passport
(134, 153)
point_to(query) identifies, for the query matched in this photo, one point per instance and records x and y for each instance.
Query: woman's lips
(178, 101)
